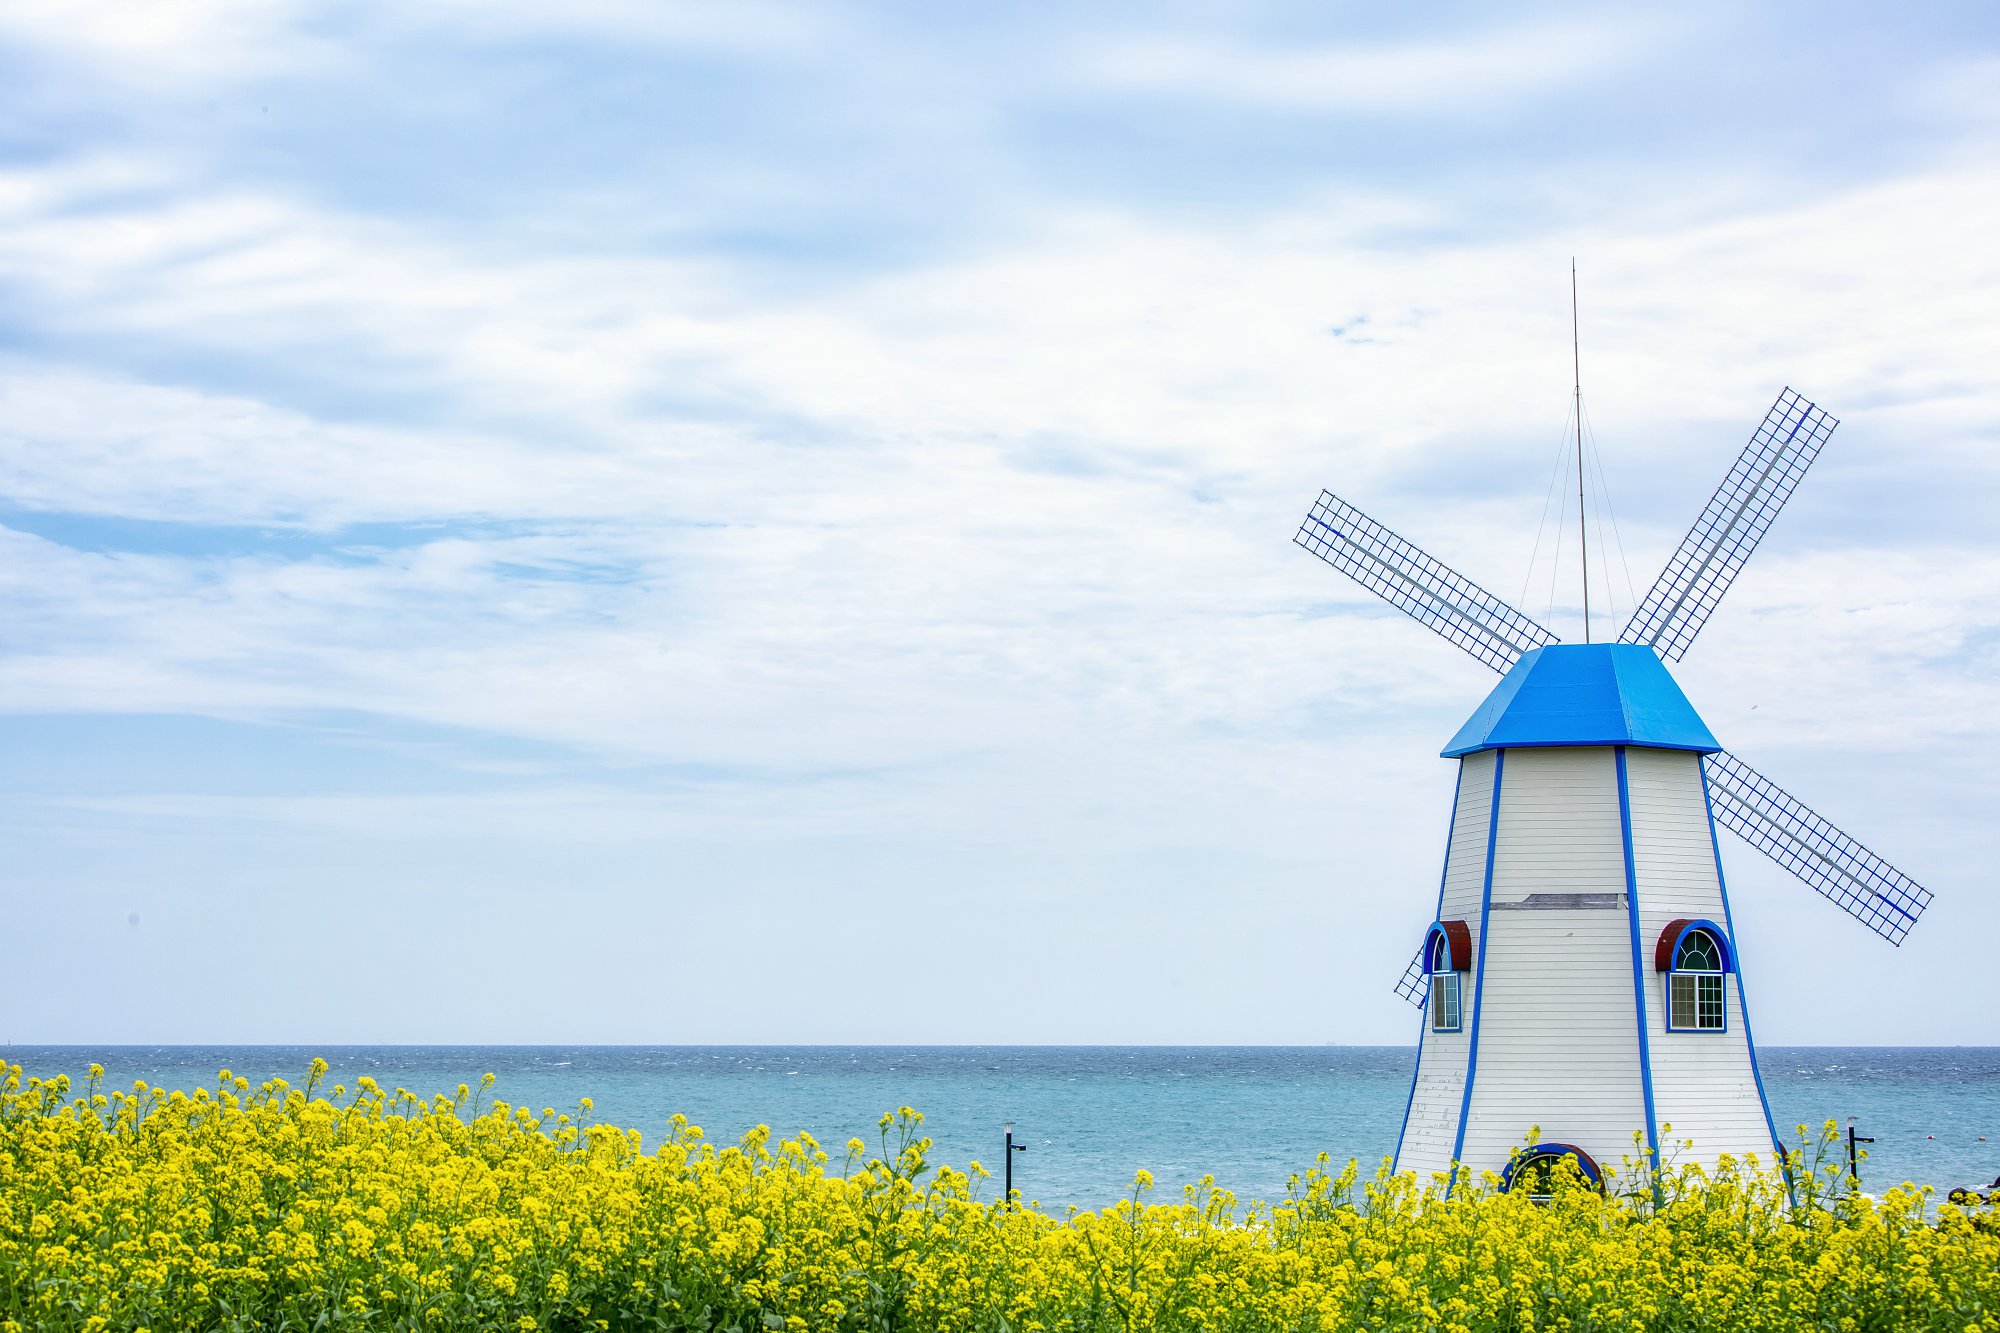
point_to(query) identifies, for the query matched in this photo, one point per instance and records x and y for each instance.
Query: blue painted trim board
(1479, 976)
(1450, 836)
(1743, 1000)
(1638, 971)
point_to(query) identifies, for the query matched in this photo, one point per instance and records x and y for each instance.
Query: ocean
(1091, 1116)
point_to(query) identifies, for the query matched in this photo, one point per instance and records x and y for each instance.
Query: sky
(772, 522)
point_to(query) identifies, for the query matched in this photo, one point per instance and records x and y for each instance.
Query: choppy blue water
(1091, 1116)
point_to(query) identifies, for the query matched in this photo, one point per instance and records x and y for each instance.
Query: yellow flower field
(289, 1208)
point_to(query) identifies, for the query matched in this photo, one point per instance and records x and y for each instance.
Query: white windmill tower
(1581, 973)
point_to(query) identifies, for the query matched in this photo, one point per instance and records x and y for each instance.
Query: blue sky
(771, 522)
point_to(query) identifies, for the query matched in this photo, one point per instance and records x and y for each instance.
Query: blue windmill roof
(1585, 694)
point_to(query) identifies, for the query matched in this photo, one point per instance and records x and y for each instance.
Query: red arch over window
(1458, 937)
(1670, 943)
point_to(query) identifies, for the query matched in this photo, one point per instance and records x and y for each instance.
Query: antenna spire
(1576, 365)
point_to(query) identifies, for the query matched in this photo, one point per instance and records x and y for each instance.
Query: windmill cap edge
(1585, 694)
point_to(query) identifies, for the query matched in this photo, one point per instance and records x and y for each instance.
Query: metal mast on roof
(1582, 529)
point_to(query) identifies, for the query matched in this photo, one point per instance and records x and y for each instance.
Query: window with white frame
(1694, 985)
(1445, 980)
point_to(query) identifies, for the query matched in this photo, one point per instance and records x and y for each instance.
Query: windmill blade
(1429, 591)
(1834, 865)
(1713, 552)
(1416, 983)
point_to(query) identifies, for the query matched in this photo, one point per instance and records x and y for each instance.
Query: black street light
(1007, 1156)
(1853, 1158)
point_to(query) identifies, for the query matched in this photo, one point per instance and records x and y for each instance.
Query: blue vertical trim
(1423, 1022)
(1742, 1001)
(1638, 970)
(1479, 976)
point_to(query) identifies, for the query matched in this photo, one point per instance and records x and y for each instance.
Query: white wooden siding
(1465, 867)
(1432, 1123)
(1557, 1031)
(1704, 1083)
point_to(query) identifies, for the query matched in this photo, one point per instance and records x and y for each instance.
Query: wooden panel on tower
(1557, 1034)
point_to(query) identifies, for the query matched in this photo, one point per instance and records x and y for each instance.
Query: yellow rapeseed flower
(236, 1207)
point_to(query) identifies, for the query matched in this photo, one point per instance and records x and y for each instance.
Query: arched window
(1447, 955)
(1695, 995)
(1445, 997)
(1535, 1169)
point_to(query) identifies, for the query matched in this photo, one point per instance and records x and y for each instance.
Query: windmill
(1581, 972)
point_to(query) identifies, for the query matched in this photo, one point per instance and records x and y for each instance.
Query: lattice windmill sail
(1779, 825)
(1425, 588)
(1582, 937)
(1738, 515)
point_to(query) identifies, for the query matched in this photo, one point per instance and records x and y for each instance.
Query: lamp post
(1853, 1158)
(1007, 1157)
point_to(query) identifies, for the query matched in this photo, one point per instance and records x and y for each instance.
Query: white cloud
(173, 41)
(1468, 74)
(203, 47)
(1064, 472)
(755, 29)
